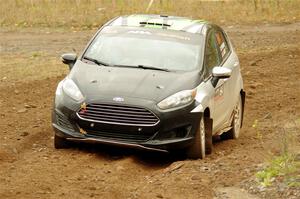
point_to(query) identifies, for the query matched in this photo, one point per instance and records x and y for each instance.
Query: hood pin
(160, 87)
(93, 81)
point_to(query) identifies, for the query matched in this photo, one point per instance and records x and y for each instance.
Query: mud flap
(243, 96)
(208, 135)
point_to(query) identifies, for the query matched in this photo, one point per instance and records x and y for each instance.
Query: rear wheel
(61, 143)
(197, 150)
(234, 132)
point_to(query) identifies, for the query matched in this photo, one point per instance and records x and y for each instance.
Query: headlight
(59, 88)
(58, 93)
(71, 89)
(178, 99)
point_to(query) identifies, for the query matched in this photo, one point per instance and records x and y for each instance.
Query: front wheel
(197, 150)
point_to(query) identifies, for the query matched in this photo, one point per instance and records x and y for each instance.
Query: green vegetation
(88, 14)
(283, 168)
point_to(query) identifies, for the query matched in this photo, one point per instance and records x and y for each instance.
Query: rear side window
(211, 58)
(222, 44)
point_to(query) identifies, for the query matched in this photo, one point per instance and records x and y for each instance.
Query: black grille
(118, 114)
(133, 138)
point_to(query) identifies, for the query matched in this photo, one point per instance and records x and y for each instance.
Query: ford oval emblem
(118, 99)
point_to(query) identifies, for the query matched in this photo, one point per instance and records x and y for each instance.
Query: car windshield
(142, 48)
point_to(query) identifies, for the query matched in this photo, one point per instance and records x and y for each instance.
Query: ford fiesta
(152, 82)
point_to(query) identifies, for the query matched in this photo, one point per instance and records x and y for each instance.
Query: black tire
(197, 150)
(61, 143)
(227, 135)
(234, 132)
(208, 135)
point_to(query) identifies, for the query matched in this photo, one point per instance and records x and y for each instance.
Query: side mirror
(69, 59)
(220, 73)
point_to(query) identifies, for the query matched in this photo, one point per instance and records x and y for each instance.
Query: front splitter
(116, 143)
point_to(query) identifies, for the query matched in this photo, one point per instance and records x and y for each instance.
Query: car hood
(96, 81)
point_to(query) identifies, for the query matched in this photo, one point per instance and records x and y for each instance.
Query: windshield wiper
(129, 66)
(144, 67)
(100, 63)
(153, 68)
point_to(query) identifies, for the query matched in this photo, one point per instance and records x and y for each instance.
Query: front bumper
(175, 130)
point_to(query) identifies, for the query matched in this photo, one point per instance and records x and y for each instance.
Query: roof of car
(160, 22)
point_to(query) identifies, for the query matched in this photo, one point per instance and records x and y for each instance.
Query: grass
(285, 167)
(29, 67)
(89, 14)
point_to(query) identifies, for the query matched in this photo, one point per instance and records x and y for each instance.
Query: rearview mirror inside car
(69, 59)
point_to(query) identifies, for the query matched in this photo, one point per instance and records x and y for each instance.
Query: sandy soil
(31, 168)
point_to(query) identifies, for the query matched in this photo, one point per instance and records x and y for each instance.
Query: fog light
(180, 132)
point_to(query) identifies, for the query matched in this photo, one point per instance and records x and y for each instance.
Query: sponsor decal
(118, 99)
(174, 36)
(140, 32)
(219, 94)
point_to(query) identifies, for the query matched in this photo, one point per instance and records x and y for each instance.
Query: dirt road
(31, 168)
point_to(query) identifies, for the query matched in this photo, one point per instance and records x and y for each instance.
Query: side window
(211, 57)
(222, 44)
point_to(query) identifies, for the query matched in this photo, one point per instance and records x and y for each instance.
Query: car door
(224, 95)
(212, 59)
